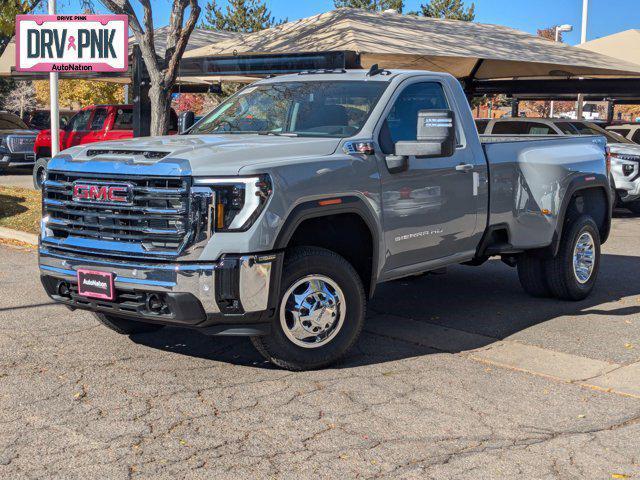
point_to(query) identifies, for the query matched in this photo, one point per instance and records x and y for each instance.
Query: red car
(96, 123)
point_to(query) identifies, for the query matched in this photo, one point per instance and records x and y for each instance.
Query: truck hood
(201, 154)
(18, 132)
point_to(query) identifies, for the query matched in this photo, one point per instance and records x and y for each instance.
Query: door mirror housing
(186, 121)
(436, 135)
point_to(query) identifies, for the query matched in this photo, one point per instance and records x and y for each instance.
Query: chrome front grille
(21, 143)
(154, 222)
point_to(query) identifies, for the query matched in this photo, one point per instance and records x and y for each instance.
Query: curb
(23, 237)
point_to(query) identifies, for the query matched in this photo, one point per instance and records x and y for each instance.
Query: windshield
(588, 128)
(319, 109)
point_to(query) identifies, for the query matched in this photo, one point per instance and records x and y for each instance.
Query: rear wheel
(320, 314)
(124, 326)
(532, 276)
(40, 173)
(572, 273)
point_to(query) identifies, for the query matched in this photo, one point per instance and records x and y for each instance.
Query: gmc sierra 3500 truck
(276, 215)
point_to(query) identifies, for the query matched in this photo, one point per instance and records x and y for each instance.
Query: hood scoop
(94, 152)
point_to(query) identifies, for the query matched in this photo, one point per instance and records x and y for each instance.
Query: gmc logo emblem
(99, 193)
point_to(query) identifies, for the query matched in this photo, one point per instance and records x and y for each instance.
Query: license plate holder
(95, 284)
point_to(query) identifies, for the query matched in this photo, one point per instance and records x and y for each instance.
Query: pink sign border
(95, 67)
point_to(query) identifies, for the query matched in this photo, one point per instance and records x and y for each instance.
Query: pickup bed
(276, 215)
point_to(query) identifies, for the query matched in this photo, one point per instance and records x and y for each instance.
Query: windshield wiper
(279, 134)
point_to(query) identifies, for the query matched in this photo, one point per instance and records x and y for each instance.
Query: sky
(605, 16)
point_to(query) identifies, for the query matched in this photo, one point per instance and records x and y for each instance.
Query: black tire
(532, 275)
(40, 172)
(299, 263)
(125, 326)
(561, 277)
(633, 206)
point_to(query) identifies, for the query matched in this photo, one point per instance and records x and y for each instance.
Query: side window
(510, 128)
(99, 116)
(123, 120)
(636, 136)
(540, 129)
(79, 121)
(566, 128)
(402, 122)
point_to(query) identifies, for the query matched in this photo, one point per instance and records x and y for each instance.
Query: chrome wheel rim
(312, 311)
(584, 254)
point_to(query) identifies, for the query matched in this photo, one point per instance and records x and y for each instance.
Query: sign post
(70, 43)
(53, 100)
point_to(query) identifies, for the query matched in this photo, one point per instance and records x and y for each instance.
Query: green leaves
(451, 9)
(239, 16)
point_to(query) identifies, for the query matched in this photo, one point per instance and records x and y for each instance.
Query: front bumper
(219, 297)
(17, 159)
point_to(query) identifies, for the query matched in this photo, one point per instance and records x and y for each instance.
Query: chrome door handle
(464, 167)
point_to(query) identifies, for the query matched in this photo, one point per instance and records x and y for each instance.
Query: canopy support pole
(141, 101)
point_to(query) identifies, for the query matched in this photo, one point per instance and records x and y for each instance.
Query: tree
(450, 9)
(373, 5)
(239, 16)
(188, 102)
(8, 11)
(163, 71)
(21, 98)
(550, 33)
(75, 94)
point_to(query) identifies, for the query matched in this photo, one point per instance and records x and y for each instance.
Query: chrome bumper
(254, 274)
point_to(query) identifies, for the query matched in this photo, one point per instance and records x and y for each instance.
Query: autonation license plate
(94, 284)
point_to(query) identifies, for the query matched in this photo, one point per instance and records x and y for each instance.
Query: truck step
(501, 249)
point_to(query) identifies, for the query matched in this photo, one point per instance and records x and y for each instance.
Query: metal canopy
(464, 49)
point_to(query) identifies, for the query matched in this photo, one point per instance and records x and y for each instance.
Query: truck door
(97, 126)
(75, 129)
(429, 209)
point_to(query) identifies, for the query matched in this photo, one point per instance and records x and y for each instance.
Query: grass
(20, 209)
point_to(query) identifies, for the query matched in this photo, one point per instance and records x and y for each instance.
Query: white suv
(625, 155)
(630, 131)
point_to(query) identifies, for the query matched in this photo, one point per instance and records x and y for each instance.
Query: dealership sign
(72, 43)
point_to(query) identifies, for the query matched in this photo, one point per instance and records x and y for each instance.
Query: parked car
(277, 214)
(92, 124)
(625, 155)
(41, 119)
(16, 142)
(630, 131)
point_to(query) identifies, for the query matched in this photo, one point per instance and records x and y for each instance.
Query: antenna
(374, 70)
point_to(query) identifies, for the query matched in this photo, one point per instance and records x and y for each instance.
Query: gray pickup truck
(276, 215)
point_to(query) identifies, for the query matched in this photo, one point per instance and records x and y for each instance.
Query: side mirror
(186, 121)
(436, 135)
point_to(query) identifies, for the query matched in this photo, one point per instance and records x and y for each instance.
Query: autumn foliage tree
(75, 94)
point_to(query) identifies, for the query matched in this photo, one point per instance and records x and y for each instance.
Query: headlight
(625, 156)
(3, 143)
(237, 201)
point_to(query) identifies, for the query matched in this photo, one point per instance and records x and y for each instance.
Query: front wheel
(40, 173)
(572, 273)
(320, 314)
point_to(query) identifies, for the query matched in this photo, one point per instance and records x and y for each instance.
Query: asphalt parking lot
(16, 177)
(456, 376)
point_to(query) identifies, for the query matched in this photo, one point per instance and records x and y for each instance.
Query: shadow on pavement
(465, 309)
